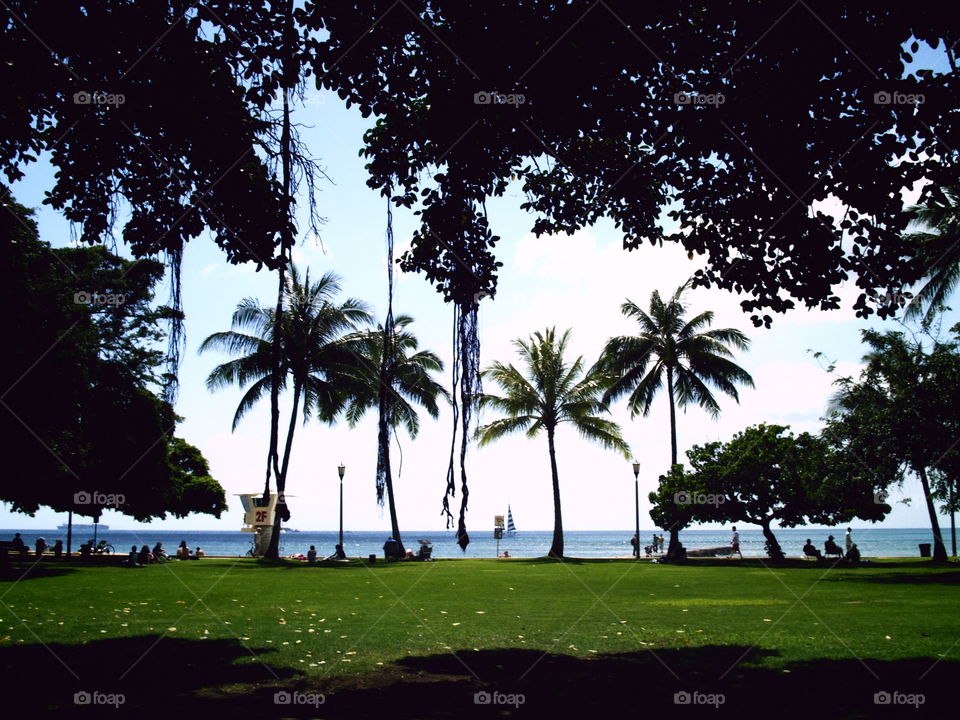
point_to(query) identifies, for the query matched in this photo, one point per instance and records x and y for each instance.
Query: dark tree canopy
(132, 103)
(79, 413)
(778, 108)
(901, 415)
(766, 475)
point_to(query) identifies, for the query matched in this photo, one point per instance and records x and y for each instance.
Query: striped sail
(511, 528)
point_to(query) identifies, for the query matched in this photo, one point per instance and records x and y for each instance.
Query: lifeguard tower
(258, 518)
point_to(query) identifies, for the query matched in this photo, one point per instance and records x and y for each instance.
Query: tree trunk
(273, 549)
(773, 547)
(673, 419)
(939, 549)
(673, 547)
(556, 549)
(286, 242)
(384, 449)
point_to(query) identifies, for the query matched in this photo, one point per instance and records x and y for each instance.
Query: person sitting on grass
(19, 546)
(853, 554)
(58, 549)
(144, 557)
(810, 551)
(133, 558)
(86, 549)
(183, 552)
(312, 554)
(159, 554)
(338, 553)
(198, 554)
(40, 546)
(506, 554)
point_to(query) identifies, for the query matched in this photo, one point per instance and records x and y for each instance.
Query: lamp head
(341, 469)
(636, 468)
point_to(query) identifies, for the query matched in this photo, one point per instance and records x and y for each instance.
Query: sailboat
(511, 528)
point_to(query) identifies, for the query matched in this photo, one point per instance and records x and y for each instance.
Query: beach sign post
(498, 530)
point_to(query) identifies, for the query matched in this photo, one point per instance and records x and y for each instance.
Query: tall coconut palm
(676, 350)
(938, 248)
(318, 351)
(550, 391)
(407, 378)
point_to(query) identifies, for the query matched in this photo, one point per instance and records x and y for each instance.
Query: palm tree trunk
(673, 418)
(384, 445)
(286, 242)
(556, 548)
(673, 547)
(939, 549)
(273, 550)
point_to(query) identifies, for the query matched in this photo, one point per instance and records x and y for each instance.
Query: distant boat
(84, 526)
(511, 528)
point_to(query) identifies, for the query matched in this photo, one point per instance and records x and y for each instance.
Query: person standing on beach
(735, 543)
(847, 541)
(635, 543)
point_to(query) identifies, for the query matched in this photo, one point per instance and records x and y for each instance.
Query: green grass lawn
(426, 636)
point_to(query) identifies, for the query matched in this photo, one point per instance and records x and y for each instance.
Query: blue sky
(577, 282)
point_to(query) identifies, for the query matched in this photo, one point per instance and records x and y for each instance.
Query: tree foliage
(79, 411)
(729, 117)
(901, 415)
(548, 391)
(765, 475)
(684, 352)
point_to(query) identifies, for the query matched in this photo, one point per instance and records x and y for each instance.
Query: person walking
(847, 541)
(735, 543)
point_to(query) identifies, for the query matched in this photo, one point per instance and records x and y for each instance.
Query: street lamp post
(341, 469)
(636, 493)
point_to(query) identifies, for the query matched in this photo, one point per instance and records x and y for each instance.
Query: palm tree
(406, 376)
(318, 350)
(939, 250)
(551, 391)
(681, 351)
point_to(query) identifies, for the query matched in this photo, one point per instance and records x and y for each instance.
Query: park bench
(7, 546)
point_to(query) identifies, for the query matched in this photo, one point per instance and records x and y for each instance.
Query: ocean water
(871, 541)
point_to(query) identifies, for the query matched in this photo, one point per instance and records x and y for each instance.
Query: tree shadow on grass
(150, 672)
(192, 678)
(18, 570)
